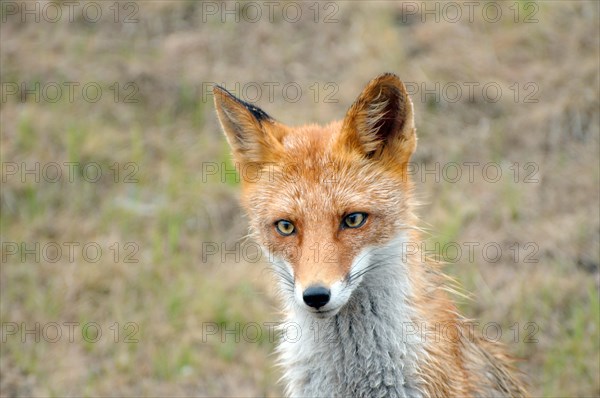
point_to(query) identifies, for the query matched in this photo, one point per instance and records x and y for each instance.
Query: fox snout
(322, 300)
(316, 296)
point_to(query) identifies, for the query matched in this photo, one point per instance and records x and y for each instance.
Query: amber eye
(285, 227)
(354, 220)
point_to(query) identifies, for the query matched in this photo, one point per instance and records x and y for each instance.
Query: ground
(120, 211)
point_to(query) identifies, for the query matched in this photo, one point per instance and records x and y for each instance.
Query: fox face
(326, 203)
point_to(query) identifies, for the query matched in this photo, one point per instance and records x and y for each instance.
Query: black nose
(316, 296)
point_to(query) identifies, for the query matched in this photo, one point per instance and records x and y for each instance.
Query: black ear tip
(256, 112)
(221, 90)
(393, 81)
(390, 75)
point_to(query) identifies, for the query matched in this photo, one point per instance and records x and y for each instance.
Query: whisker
(284, 275)
(380, 262)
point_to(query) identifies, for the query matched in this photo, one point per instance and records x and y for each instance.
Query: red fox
(333, 208)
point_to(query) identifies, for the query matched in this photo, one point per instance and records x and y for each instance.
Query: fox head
(328, 204)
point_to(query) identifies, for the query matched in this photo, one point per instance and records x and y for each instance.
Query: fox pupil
(284, 227)
(355, 220)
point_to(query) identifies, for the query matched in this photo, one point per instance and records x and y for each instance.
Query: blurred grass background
(161, 130)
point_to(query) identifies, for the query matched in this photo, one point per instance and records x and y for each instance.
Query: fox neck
(365, 349)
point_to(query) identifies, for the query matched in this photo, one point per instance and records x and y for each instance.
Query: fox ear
(380, 122)
(248, 128)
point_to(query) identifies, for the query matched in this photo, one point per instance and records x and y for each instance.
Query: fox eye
(354, 220)
(284, 227)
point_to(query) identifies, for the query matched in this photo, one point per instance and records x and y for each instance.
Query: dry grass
(170, 294)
